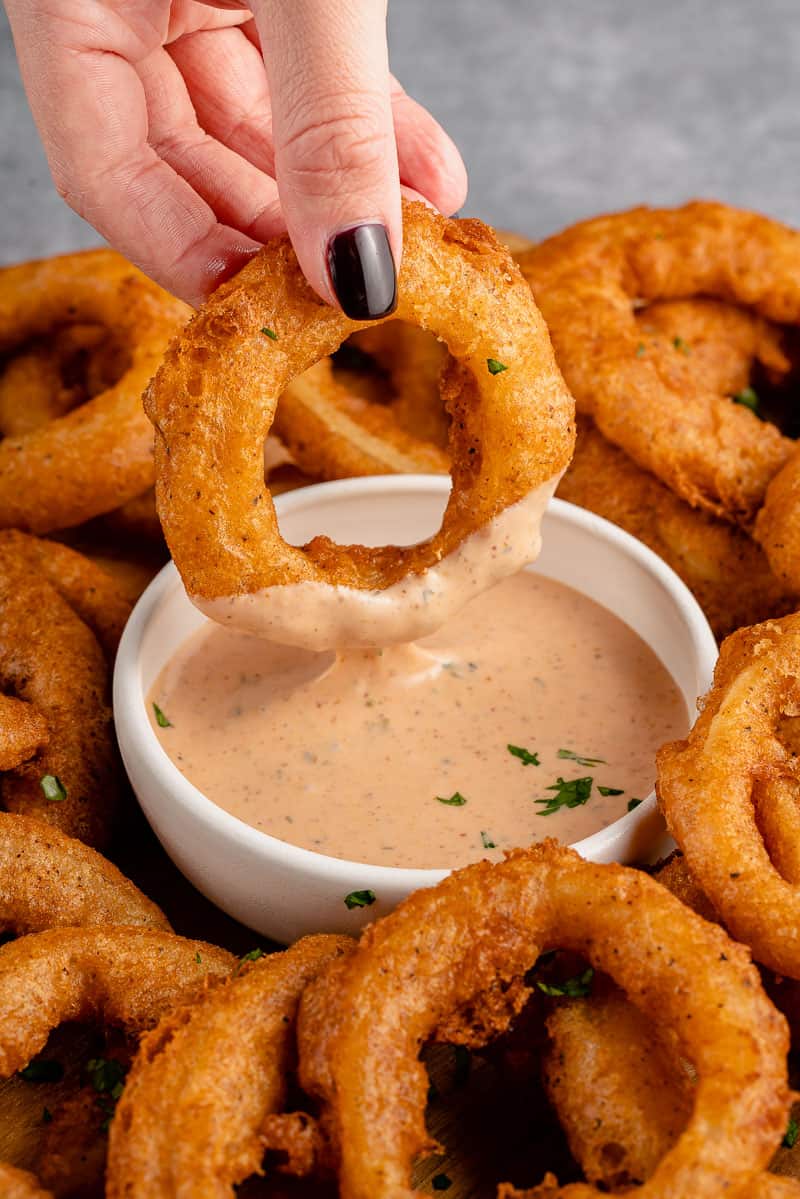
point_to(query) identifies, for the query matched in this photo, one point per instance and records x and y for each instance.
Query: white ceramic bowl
(283, 891)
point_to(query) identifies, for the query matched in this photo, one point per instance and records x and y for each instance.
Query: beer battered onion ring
(778, 523)
(49, 880)
(122, 976)
(729, 792)
(19, 1184)
(589, 282)
(214, 1071)
(213, 402)
(96, 457)
(363, 1022)
(51, 659)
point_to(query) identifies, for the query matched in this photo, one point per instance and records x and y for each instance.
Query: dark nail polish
(362, 272)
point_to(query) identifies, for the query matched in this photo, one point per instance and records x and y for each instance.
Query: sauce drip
(433, 754)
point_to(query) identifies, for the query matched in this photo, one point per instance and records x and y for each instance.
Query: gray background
(562, 108)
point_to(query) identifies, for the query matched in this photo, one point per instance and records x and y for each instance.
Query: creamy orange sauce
(354, 754)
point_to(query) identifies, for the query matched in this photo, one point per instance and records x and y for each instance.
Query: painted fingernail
(361, 268)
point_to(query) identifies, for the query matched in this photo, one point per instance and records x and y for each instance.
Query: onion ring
(722, 566)
(128, 977)
(99, 455)
(332, 434)
(19, 1184)
(204, 1081)
(734, 764)
(49, 880)
(511, 437)
(23, 732)
(716, 454)
(363, 1022)
(778, 523)
(50, 658)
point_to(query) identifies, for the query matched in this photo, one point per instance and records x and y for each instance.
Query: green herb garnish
(574, 988)
(197, 958)
(487, 842)
(610, 790)
(252, 956)
(495, 367)
(359, 899)
(571, 756)
(640, 349)
(456, 800)
(161, 720)
(525, 756)
(270, 333)
(53, 789)
(106, 1076)
(440, 1182)
(747, 398)
(681, 345)
(633, 803)
(44, 1070)
(792, 1133)
(569, 793)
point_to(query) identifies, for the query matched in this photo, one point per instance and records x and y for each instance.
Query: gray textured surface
(562, 108)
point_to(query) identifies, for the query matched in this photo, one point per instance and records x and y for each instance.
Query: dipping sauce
(534, 712)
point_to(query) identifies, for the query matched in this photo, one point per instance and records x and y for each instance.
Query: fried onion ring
(332, 434)
(126, 977)
(51, 659)
(639, 389)
(778, 523)
(99, 455)
(734, 764)
(363, 1022)
(214, 1071)
(19, 1184)
(23, 732)
(49, 880)
(725, 570)
(213, 402)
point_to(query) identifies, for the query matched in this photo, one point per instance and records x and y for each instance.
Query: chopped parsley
(461, 1066)
(569, 793)
(571, 756)
(270, 333)
(360, 899)
(162, 721)
(681, 345)
(640, 349)
(574, 988)
(456, 800)
(252, 956)
(486, 841)
(45, 1070)
(792, 1133)
(633, 803)
(197, 958)
(441, 1182)
(53, 789)
(748, 398)
(525, 756)
(610, 790)
(495, 367)
(108, 1079)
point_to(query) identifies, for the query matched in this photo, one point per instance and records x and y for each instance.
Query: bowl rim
(130, 706)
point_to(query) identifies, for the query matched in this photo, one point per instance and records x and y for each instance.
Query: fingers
(241, 196)
(335, 156)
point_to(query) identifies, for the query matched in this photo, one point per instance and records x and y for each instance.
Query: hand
(188, 133)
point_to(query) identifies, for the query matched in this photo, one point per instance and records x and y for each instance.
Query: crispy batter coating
(739, 759)
(721, 565)
(99, 455)
(122, 976)
(49, 880)
(46, 379)
(639, 387)
(413, 360)
(19, 1184)
(332, 434)
(23, 732)
(363, 1022)
(52, 660)
(619, 1092)
(190, 1118)
(778, 523)
(213, 402)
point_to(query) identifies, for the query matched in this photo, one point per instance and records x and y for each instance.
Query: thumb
(335, 154)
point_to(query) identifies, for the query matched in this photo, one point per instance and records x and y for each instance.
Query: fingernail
(361, 268)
